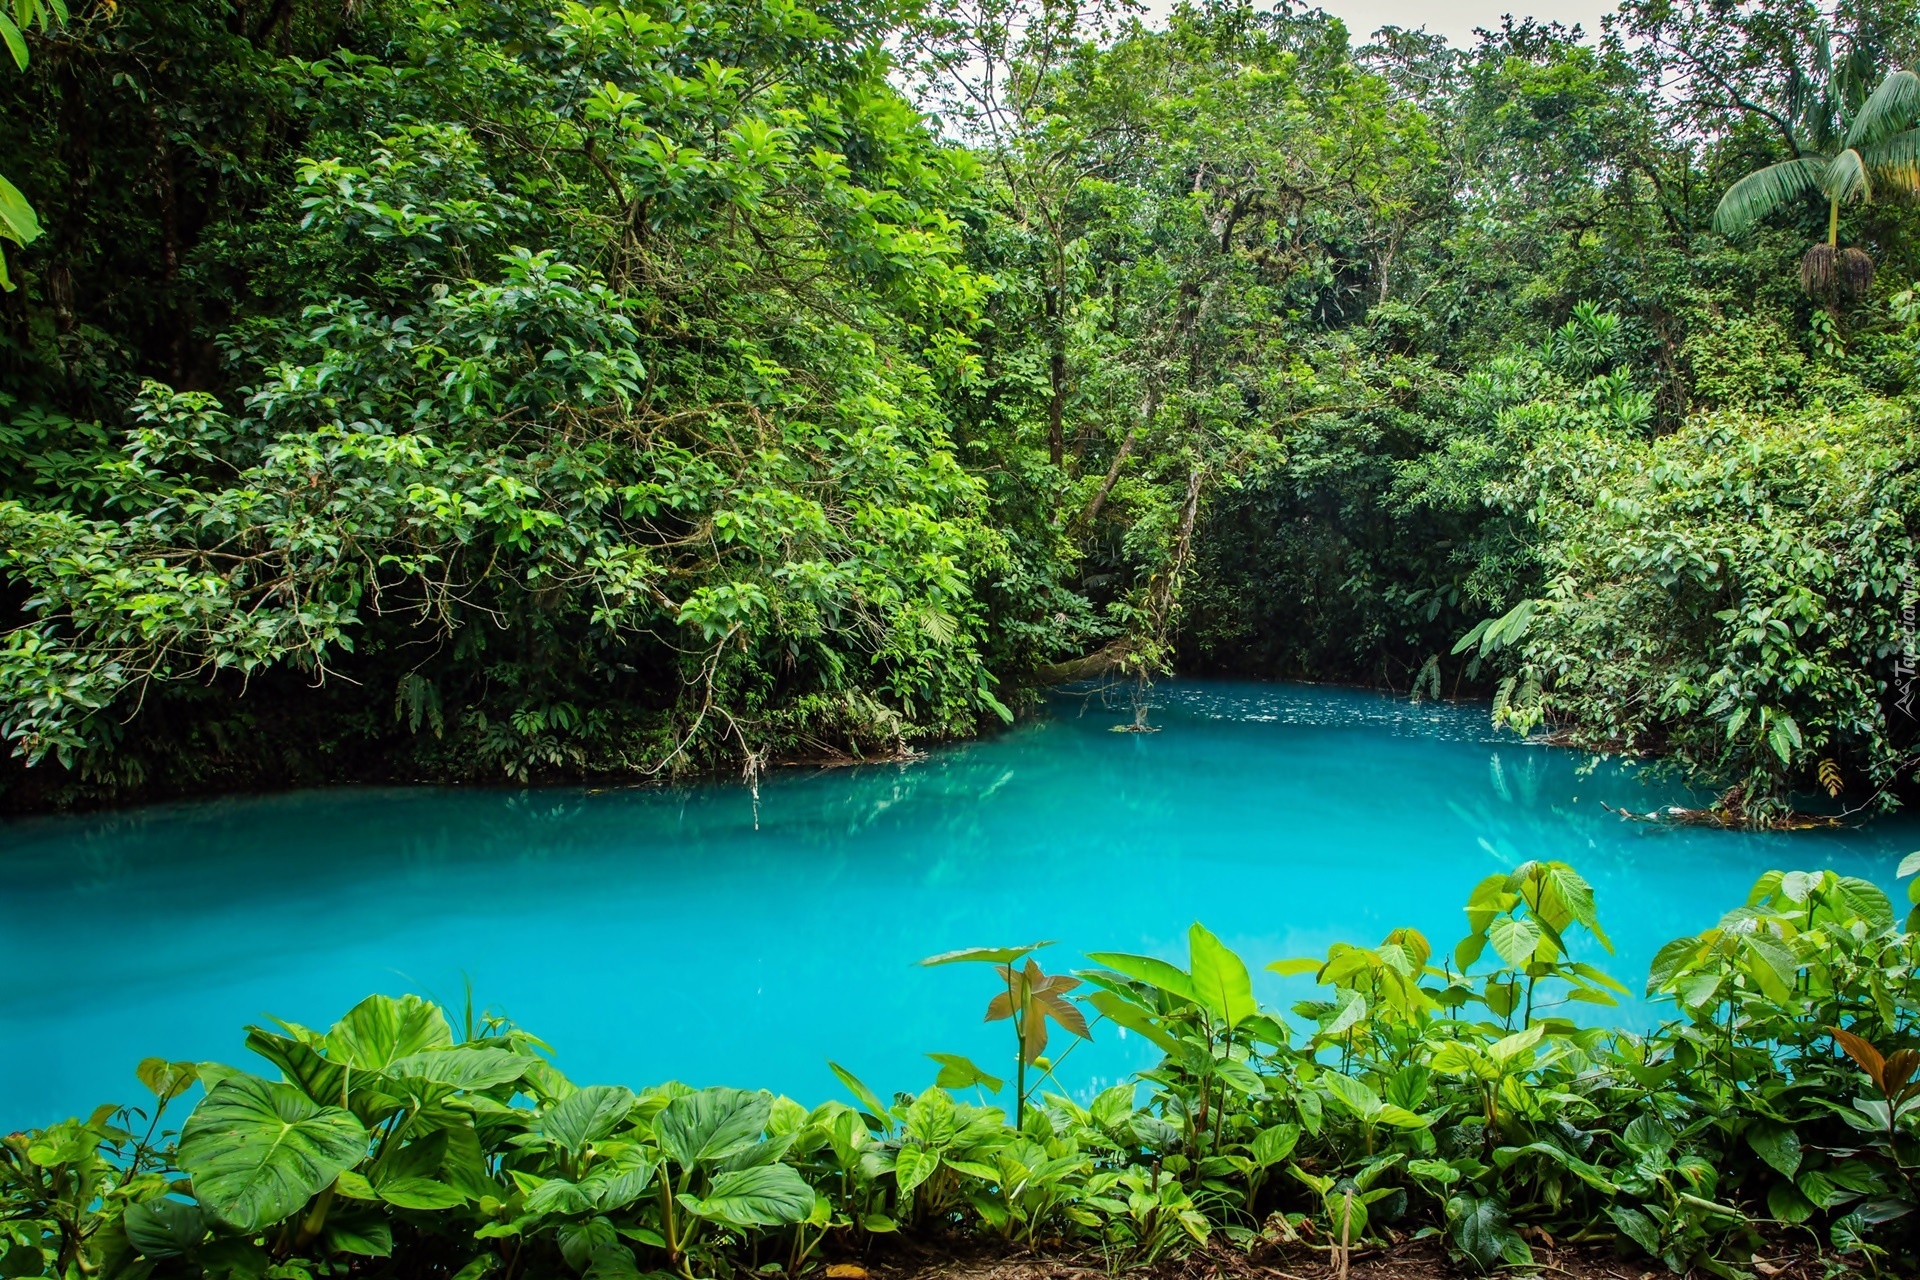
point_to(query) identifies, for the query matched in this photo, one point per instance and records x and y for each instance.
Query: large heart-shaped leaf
(381, 1029)
(259, 1151)
(712, 1124)
(586, 1115)
(771, 1196)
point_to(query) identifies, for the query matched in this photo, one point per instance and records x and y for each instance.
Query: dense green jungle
(508, 390)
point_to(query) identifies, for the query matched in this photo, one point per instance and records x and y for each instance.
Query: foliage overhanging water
(663, 934)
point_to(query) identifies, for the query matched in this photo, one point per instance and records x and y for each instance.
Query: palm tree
(1848, 145)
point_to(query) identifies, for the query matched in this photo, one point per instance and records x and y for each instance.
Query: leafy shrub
(1432, 1097)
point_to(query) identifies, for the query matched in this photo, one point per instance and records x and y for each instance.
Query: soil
(1412, 1260)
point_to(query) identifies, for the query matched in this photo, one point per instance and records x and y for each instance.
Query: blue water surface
(697, 934)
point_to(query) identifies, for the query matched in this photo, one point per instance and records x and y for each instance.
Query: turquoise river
(693, 933)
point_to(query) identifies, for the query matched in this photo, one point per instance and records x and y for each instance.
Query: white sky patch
(1455, 19)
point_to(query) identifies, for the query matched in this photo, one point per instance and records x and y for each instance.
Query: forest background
(509, 389)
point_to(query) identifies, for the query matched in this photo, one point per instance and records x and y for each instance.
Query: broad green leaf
(619, 1178)
(1356, 1096)
(1350, 1011)
(558, 1195)
(165, 1228)
(770, 1196)
(1514, 940)
(1636, 1226)
(381, 1029)
(1275, 1143)
(1219, 977)
(1480, 1229)
(1786, 1204)
(711, 1124)
(913, 1165)
(1507, 1048)
(959, 1072)
(1147, 969)
(1866, 900)
(1399, 1117)
(462, 1067)
(362, 1233)
(1777, 1144)
(258, 1152)
(587, 1115)
(419, 1193)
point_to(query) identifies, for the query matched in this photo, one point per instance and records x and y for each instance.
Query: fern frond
(1895, 161)
(1761, 192)
(1895, 105)
(1845, 178)
(1830, 777)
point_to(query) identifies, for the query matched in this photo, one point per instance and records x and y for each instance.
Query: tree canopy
(511, 388)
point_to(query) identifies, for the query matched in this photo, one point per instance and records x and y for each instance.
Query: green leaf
(712, 1124)
(876, 1109)
(1275, 1143)
(168, 1080)
(1507, 1048)
(1777, 1144)
(363, 1234)
(958, 1072)
(619, 1178)
(913, 1165)
(1636, 1226)
(1480, 1229)
(1155, 973)
(1354, 1095)
(381, 1029)
(1123, 1012)
(1786, 1204)
(418, 1193)
(1866, 900)
(10, 35)
(984, 955)
(769, 1196)
(1220, 978)
(462, 1067)
(258, 1152)
(165, 1228)
(1514, 940)
(587, 1115)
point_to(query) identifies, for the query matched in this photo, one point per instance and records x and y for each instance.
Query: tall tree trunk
(1148, 410)
(1057, 374)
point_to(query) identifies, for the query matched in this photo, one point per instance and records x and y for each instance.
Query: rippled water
(688, 933)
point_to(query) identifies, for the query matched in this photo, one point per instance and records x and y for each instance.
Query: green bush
(1427, 1094)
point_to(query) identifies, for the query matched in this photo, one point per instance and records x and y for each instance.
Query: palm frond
(1846, 179)
(1761, 192)
(1895, 163)
(1895, 105)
